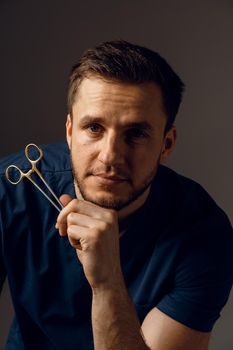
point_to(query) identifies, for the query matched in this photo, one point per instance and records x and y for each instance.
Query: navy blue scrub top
(176, 255)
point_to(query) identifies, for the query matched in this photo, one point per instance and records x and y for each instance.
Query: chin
(111, 197)
(109, 201)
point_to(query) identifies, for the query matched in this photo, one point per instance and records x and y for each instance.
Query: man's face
(116, 138)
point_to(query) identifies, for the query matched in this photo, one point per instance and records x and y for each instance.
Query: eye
(94, 128)
(134, 135)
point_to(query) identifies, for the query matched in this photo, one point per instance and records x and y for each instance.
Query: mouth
(109, 179)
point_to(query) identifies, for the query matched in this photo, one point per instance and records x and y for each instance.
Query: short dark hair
(122, 61)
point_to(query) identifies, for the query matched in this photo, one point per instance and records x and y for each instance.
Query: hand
(93, 231)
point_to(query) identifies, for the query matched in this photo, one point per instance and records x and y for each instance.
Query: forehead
(98, 96)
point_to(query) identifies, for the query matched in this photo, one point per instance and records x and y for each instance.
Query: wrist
(116, 286)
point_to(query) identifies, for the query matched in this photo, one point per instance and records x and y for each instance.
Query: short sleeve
(203, 276)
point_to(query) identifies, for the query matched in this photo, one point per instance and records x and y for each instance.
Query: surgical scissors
(15, 175)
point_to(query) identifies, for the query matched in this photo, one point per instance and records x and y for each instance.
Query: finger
(62, 228)
(69, 208)
(84, 221)
(81, 220)
(77, 236)
(75, 243)
(95, 211)
(65, 199)
(86, 208)
(62, 217)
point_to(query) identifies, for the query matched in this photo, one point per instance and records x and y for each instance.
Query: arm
(93, 232)
(115, 326)
(163, 333)
(114, 320)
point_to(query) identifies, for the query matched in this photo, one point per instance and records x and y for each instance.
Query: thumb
(65, 199)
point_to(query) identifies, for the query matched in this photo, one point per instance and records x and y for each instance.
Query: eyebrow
(88, 119)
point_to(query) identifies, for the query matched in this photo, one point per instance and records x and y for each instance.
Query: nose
(112, 150)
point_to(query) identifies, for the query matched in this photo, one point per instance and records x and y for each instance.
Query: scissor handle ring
(33, 161)
(8, 176)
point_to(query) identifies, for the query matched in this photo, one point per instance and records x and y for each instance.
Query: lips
(109, 179)
(113, 177)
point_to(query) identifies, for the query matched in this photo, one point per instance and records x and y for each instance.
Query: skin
(111, 146)
(115, 129)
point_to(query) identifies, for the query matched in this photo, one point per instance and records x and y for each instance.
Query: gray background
(41, 40)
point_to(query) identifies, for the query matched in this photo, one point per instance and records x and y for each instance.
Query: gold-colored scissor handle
(10, 178)
(33, 161)
(20, 174)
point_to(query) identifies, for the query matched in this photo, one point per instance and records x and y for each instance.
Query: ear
(69, 130)
(168, 144)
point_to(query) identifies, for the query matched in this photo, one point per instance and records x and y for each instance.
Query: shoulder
(55, 163)
(186, 198)
(197, 243)
(186, 187)
(193, 226)
(201, 229)
(55, 158)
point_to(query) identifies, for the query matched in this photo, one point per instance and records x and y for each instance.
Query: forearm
(114, 320)
(94, 232)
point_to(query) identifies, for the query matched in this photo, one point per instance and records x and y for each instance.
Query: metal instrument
(15, 175)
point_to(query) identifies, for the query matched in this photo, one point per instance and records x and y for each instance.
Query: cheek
(83, 153)
(144, 162)
(80, 139)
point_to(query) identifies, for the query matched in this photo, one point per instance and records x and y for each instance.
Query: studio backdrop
(41, 40)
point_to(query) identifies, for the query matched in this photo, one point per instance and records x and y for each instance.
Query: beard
(116, 203)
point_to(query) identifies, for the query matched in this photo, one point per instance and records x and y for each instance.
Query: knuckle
(73, 205)
(98, 232)
(69, 231)
(111, 215)
(75, 202)
(104, 226)
(70, 217)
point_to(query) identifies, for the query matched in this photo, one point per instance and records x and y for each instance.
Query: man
(144, 259)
